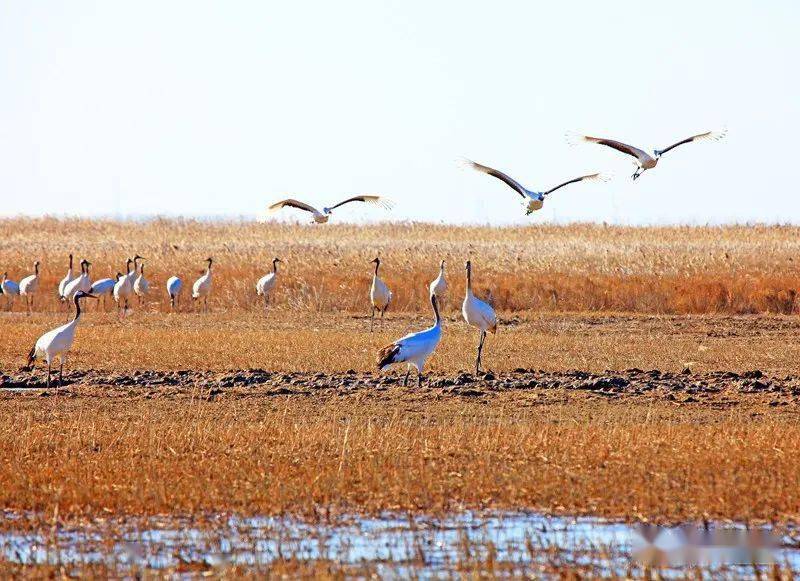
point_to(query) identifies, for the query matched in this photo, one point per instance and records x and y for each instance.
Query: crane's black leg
(405, 381)
(480, 352)
(48, 374)
(372, 319)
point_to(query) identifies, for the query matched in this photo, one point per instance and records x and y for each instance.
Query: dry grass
(88, 456)
(557, 268)
(286, 340)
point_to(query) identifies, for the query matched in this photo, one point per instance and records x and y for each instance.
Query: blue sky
(218, 108)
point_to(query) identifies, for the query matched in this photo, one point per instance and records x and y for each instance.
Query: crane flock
(413, 349)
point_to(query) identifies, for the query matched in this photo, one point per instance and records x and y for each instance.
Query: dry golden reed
(90, 455)
(287, 340)
(737, 269)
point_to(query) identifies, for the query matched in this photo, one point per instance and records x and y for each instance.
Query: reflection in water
(516, 542)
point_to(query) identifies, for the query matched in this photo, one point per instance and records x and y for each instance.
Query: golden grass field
(588, 298)
(134, 452)
(665, 270)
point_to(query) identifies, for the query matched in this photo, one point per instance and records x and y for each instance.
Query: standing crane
(379, 295)
(415, 348)
(202, 286)
(58, 342)
(29, 285)
(174, 286)
(478, 314)
(10, 290)
(266, 283)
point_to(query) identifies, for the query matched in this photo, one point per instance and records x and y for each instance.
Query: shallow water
(513, 542)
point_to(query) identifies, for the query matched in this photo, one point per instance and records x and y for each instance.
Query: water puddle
(508, 542)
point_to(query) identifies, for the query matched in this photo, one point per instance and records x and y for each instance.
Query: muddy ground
(719, 389)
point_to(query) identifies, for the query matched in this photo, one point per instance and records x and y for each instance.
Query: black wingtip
(31, 358)
(386, 356)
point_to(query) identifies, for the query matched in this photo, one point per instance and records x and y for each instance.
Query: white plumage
(104, 286)
(266, 283)
(321, 217)
(58, 342)
(29, 285)
(174, 286)
(644, 160)
(81, 283)
(439, 285)
(415, 348)
(67, 279)
(140, 285)
(532, 201)
(130, 276)
(10, 290)
(122, 288)
(202, 286)
(478, 314)
(379, 295)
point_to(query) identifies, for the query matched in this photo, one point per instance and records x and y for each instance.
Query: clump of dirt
(684, 387)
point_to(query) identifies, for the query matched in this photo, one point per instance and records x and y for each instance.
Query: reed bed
(654, 298)
(90, 456)
(582, 267)
(289, 340)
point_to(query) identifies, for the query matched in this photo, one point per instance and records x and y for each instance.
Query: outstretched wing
(377, 200)
(500, 176)
(292, 204)
(708, 135)
(619, 146)
(594, 176)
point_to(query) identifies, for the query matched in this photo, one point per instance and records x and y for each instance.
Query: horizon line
(250, 219)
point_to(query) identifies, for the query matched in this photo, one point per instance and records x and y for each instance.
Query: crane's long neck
(437, 317)
(77, 301)
(70, 263)
(469, 281)
(275, 266)
(36, 269)
(377, 264)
